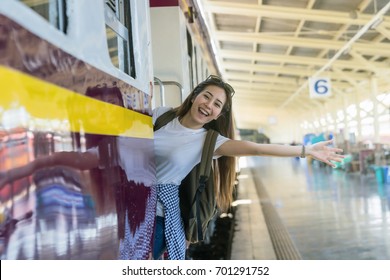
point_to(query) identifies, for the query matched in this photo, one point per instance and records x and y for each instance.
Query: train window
(195, 57)
(119, 35)
(189, 58)
(54, 11)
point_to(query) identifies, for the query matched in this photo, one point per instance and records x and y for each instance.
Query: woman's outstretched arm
(320, 151)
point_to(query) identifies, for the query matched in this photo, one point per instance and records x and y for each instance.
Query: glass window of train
(189, 58)
(201, 69)
(54, 11)
(190, 72)
(119, 35)
(195, 63)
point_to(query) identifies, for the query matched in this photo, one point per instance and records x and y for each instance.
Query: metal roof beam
(292, 71)
(365, 48)
(300, 60)
(235, 78)
(290, 13)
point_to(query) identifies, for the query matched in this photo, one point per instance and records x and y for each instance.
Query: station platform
(251, 239)
(288, 208)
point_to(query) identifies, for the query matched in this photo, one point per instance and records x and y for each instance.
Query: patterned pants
(175, 239)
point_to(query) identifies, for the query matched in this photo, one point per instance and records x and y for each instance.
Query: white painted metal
(86, 39)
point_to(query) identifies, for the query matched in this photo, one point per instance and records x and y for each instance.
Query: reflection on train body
(77, 164)
(62, 209)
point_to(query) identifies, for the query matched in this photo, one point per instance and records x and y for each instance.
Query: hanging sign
(319, 87)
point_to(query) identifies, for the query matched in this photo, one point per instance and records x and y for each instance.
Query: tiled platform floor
(329, 214)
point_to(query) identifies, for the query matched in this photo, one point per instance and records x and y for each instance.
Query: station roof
(268, 49)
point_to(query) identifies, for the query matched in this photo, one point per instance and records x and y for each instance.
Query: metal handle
(157, 81)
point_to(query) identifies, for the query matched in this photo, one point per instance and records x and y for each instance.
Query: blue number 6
(321, 86)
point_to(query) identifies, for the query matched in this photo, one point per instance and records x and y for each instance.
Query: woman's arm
(320, 151)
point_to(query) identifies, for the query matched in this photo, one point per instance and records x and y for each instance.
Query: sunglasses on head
(225, 85)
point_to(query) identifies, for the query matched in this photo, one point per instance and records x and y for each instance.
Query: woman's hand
(322, 152)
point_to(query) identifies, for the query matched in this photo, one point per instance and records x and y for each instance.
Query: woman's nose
(208, 103)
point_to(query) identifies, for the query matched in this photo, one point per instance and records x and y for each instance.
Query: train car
(76, 138)
(77, 166)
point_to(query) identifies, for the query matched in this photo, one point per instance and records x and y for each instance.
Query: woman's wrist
(303, 152)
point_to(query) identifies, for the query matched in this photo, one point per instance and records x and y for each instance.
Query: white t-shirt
(178, 149)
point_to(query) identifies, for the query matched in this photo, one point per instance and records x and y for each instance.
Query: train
(79, 80)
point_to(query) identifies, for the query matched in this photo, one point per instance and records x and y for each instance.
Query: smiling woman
(208, 106)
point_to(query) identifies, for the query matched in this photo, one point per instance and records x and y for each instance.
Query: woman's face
(208, 104)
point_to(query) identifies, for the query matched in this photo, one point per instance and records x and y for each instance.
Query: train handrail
(157, 81)
(162, 90)
(170, 83)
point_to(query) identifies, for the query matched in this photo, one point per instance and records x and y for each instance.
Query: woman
(178, 147)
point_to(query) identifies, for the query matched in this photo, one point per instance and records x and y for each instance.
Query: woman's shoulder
(159, 111)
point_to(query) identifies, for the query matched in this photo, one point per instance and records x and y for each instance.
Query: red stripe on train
(163, 3)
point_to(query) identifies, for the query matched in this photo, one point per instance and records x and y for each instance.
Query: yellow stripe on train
(41, 105)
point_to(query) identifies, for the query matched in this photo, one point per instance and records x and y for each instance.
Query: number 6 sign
(319, 87)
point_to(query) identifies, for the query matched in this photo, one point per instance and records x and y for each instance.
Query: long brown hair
(224, 167)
